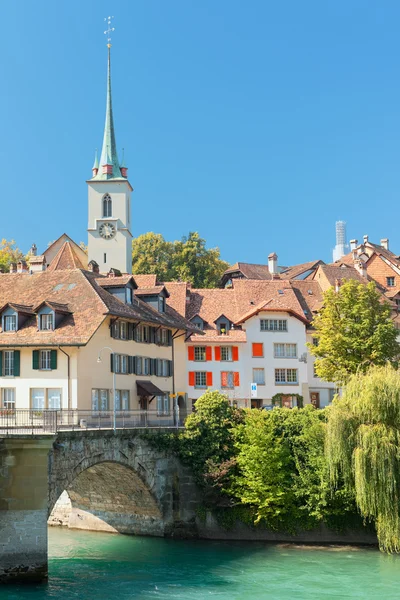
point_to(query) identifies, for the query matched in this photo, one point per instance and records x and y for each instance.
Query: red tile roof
(145, 280)
(66, 258)
(78, 292)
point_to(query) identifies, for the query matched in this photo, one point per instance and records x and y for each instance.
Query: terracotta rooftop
(79, 293)
(153, 291)
(117, 281)
(146, 281)
(66, 258)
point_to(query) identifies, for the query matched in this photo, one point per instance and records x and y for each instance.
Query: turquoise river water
(99, 566)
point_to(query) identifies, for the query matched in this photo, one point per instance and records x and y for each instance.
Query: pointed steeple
(95, 168)
(109, 164)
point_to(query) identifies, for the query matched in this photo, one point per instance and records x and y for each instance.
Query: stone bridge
(87, 479)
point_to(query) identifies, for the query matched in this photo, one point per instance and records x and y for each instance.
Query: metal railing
(24, 421)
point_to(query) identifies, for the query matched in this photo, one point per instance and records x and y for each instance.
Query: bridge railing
(24, 421)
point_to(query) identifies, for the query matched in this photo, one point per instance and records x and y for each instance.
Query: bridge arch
(109, 496)
(119, 482)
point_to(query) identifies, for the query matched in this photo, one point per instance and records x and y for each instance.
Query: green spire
(109, 150)
(96, 161)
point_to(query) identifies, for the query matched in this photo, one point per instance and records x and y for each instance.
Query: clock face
(107, 231)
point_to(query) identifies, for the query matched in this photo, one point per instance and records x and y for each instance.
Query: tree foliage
(185, 260)
(363, 447)
(282, 470)
(9, 253)
(354, 331)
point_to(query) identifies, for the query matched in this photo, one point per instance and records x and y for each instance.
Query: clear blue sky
(257, 123)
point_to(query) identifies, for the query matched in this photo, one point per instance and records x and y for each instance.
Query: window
(121, 399)
(10, 323)
(315, 341)
(54, 398)
(165, 368)
(286, 376)
(163, 404)
(8, 398)
(37, 397)
(259, 376)
(8, 369)
(164, 337)
(223, 328)
(200, 379)
(46, 322)
(226, 352)
(121, 363)
(227, 379)
(258, 350)
(390, 281)
(139, 365)
(146, 334)
(123, 330)
(199, 353)
(105, 257)
(146, 366)
(273, 324)
(129, 295)
(161, 304)
(107, 206)
(285, 350)
(99, 400)
(45, 360)
(139, 334)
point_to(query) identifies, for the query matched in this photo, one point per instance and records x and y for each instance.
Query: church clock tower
(109, 235)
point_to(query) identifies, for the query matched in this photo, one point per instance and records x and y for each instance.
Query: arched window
(107, 206)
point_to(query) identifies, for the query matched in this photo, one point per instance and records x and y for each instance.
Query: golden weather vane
(109, 30)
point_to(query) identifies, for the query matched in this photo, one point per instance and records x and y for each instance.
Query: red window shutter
(208, 353)
(191, 377)
(236, 379)
(209, 379)
(235, 353)
(217, 352)
(224, 379)
(258, 350)
(191, 352)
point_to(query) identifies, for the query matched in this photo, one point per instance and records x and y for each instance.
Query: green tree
(9, 253)
(354, 330)
(151, 254)
(195, 263)
(363, 447)
(185, 260)
(207, 443)
(282, 470)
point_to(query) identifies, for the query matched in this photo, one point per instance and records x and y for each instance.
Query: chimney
(338, 283)
(385, 243)
(22, 267)
(93, 267)
(365, 238)
(273, 263)
(353, 245)
(361, 268)
(13, 268)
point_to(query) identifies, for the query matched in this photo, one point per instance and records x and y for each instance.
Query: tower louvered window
(107, 206)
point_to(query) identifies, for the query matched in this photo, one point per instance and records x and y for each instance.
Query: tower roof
(109, 150)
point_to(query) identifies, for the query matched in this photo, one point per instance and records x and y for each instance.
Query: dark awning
(147, 388)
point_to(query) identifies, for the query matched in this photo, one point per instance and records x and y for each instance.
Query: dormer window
(107, 206)
(129, 295)
(198, 322)
(46, 322)
(10, 323)
(223, 325)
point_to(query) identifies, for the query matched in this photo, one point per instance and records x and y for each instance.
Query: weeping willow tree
(363, 447)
